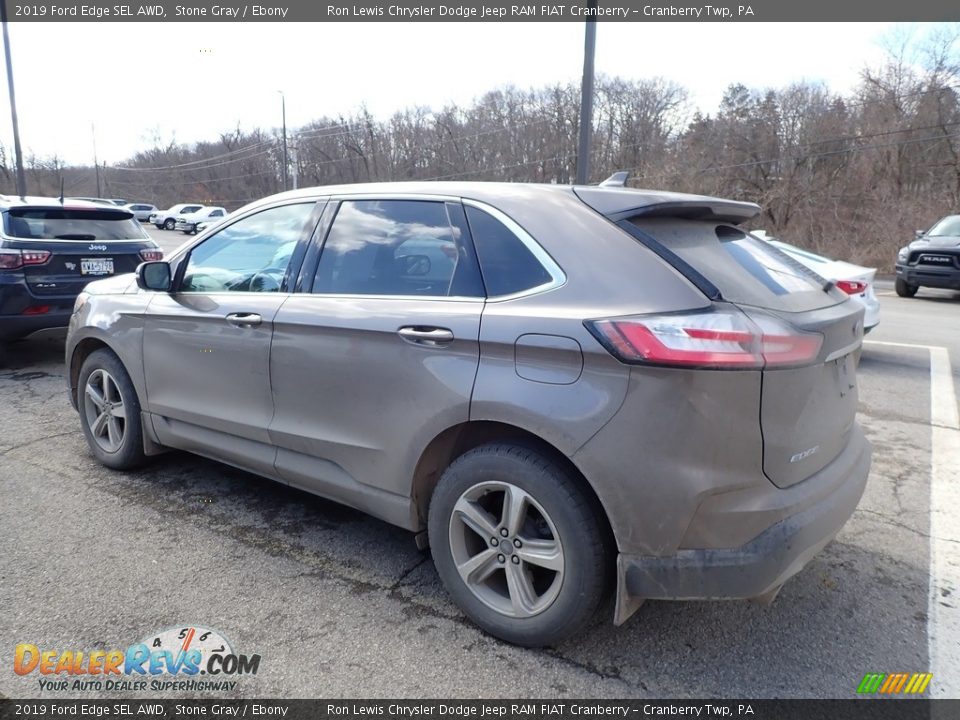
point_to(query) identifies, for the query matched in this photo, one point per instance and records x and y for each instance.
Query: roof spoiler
(618, 179)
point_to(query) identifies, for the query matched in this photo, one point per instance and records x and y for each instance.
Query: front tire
(169, 224)
(905, 289)
(518, 544)
(110, 412)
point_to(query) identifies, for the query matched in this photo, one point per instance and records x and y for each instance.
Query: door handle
(429, 336)
(244, 320)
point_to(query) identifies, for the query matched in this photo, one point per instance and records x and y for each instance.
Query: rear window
(66, 224)
(745, 269)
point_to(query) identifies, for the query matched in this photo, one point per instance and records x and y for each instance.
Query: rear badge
(805, 454)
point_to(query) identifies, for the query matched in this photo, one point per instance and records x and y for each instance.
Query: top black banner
(483, 11)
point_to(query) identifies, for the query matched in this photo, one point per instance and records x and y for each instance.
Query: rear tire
(534, 576)
(110, 412)
(905, 289)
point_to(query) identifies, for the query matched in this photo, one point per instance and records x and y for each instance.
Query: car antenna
(618, 179)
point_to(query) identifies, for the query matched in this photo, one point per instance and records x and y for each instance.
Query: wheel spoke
(119, 411)
(114, 431)
(478, 568)
(514, 509)
(100, 424)
(476, 518)
(543, 553)
(110, 393)
(94, 395)
(522, 595)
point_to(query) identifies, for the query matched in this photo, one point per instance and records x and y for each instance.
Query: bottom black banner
(865, 709)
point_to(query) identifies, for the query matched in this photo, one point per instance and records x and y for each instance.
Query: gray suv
(566, 391)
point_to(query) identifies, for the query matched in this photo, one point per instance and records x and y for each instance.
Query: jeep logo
(97, 247)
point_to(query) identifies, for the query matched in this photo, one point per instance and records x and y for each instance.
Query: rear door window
(745, 269)
(67, 224)
(397, 248)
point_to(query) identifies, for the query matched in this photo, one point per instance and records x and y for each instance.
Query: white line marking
(943, 603)
(943, 616)
(893, 344)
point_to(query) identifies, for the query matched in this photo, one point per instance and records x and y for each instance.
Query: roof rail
(618, 179)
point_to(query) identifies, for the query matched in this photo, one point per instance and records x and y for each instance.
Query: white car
(187, 223)
(167, 219)
(855, 280)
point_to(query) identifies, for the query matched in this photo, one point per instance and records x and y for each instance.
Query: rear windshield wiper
(78, 236)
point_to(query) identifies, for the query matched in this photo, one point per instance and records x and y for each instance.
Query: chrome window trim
(436, 298)
(557, 277)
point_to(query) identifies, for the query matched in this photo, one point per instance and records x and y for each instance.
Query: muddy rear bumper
(763, 564)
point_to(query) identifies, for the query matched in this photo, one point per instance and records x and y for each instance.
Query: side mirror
(154, 276)
(919, 233)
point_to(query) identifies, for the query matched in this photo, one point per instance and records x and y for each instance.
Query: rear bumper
(50, 325)
(928, 276)
(16, 298)
(763, 564)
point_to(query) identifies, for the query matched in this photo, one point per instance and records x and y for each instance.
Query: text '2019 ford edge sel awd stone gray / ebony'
(571, 389)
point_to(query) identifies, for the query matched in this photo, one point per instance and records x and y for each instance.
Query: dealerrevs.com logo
(190, 658)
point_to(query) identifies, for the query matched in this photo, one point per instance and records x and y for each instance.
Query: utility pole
(295, 175)
(586, 96)
(21, 180)
(96, 165)
(283, 106)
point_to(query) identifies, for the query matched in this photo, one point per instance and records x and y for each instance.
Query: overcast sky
(190, 81)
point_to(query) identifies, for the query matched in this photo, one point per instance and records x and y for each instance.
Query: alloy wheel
(104, 410)
(506, 549)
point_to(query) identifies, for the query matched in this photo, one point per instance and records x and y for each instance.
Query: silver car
(141, 211)
(566, 391)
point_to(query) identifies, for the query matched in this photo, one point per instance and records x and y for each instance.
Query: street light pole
(21, 180)
(283, 106)
(586, 97)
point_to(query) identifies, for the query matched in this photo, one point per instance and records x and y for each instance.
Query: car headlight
(80, 301)
(902, 254)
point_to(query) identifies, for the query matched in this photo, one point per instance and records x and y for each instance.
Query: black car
(50, 249)
(932, 260)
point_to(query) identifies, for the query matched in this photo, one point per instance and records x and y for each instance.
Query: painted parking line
(943, 610)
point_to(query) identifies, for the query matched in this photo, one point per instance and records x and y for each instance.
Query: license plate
(96, 266)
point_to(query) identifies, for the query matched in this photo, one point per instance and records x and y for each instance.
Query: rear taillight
(721, 338)
(852, 287)
(151, 255)
(13, 259)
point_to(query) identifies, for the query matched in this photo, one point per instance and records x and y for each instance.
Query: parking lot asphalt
(340, 605)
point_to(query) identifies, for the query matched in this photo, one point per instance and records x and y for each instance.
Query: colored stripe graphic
(894, 683)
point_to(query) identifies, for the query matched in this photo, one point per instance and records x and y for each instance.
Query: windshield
(67, 224)
(949, 226)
